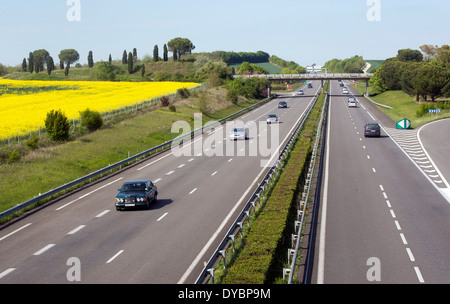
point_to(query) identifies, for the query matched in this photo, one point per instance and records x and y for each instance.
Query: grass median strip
(261, 258)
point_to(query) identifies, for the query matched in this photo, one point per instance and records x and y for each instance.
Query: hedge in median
(255, 264)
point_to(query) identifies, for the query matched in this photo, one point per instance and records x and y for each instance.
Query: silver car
(272, 118)
(352, 102)
(238, 133)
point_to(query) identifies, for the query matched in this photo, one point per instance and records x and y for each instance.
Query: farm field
(24, 104)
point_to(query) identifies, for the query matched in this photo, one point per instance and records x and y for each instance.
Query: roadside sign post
(403, 124)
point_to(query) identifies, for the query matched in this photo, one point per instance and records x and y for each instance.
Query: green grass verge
(403, 106)
(52, 166)
(269, 67)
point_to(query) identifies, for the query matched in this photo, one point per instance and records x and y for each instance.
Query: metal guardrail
(301, 211)
(376, 103)
(237, 227)
(124, 162)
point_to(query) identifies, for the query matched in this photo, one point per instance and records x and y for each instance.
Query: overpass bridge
(314, 76)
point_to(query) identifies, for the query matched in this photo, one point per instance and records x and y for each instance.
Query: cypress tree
(90, 60)
(155, 53)
(124, 57)
(135, 55)
(130, 63)
(166, 57)
(24, 65)
(50, 65)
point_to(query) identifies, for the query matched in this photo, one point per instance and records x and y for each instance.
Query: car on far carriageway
(372, 129)
(136, 194)
(272, 118)
(282, 104)
(238, 133)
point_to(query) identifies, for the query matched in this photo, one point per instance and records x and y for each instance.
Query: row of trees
(39, 59)
(288, 67)
(235, 58)
(415, 74)
(350, 65)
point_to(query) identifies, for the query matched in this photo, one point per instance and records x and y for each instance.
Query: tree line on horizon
(39, 60)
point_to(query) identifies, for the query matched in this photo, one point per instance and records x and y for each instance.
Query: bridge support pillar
(269, 90)
(367, 87)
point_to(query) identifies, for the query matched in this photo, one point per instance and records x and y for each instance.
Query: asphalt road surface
(82, 238)
(382, 219)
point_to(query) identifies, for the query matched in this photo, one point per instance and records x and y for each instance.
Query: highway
(81, 238)
(384, 210)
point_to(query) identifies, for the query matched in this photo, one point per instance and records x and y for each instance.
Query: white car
(238, 133)
(345, 91)
(352, 103)
(272, 118)
(300, 92)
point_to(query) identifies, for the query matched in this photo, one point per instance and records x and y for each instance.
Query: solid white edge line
(222, 225)
(444, 192)
(321, 263)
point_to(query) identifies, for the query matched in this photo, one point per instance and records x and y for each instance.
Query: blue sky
(303, 31)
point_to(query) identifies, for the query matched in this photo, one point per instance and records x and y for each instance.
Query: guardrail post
(211, 272)
(248, 217)
(297, 225)
(232, 240)
(294, 238)
(286, 272)
(291, 253)
(242, 230)
(223, 253)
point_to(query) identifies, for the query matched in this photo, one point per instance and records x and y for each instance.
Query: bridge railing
(311, 76)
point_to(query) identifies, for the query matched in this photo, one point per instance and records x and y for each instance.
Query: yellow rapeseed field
(24, 104)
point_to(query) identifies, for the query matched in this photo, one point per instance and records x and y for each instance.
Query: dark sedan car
(372, 129)
(136, 194)
(282, 104)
